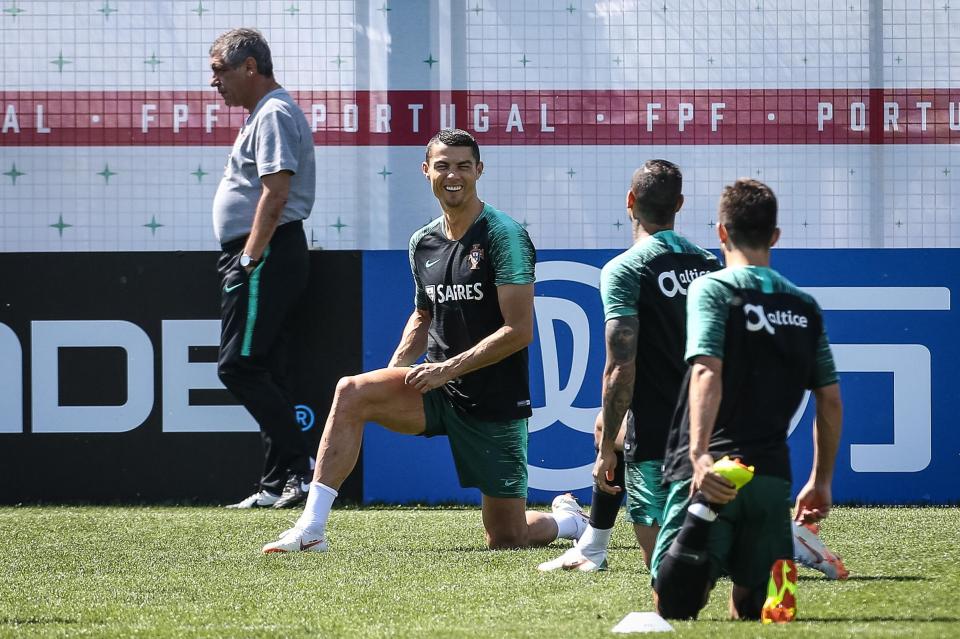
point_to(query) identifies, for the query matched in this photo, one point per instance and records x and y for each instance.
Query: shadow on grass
(871, 578)
(34, 621)
(878, 618)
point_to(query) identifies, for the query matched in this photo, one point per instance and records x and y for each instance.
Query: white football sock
(313, 519)
(593, 544)
(569, 525)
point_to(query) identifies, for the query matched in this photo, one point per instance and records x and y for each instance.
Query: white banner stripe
(882, 298)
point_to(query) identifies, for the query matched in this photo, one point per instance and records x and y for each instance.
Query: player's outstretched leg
(379, 396)
(589, 554)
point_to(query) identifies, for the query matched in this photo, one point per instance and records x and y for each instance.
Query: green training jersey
(771, 338)
(650, 281)
(456, 281)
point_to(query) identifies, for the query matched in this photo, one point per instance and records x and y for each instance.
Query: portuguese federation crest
(476, 254)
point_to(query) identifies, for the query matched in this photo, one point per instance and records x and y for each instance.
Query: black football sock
(684, 573)
(604, 507)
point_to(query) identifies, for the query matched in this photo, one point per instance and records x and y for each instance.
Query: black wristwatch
(246, 260)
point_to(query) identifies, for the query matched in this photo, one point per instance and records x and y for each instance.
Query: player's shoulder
(678, 243)
(503, 234)
(500, 223)
(430, 227)
(629, 262)
(719, 283)
(660, 244)
(751, 278)
(784, 285)
(637, 256)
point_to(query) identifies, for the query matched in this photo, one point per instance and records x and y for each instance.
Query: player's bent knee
(346, 386)
(672, 607)
(682, 588)
(347, 393)
(347, 401)
(504, 540)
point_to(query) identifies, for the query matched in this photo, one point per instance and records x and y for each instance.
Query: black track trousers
(255, 331)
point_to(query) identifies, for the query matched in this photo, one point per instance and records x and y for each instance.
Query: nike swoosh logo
(509, 482)
(573, 564)
(227, 289)
(310, 544)
(430, 263)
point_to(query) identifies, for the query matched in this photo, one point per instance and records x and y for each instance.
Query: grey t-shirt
(275, 137)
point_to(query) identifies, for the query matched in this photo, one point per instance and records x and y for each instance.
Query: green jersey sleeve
(511, 251)
(708, 304)
(420, 299)
(619, 289)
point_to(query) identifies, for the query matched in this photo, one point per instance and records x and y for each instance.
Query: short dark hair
(455, 137)
(748, 209)
(236, 45)
(657, 185)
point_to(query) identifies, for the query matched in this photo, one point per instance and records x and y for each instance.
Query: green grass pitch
(409, 572)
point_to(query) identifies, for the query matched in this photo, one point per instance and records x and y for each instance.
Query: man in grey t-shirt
(266, 191)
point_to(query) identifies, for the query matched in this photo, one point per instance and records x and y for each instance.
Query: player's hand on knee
(425, 377)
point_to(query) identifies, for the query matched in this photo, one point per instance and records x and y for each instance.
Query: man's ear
(631, 202)
(722, 233)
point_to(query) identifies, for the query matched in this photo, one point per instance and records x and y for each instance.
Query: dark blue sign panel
(890, 318)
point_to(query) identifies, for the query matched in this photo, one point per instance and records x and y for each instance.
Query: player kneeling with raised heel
(755, 342)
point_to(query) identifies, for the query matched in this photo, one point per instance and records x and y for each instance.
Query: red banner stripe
(403, 118)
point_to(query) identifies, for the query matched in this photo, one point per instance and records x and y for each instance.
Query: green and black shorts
(489, 455)
(646, 494)
(751, 532)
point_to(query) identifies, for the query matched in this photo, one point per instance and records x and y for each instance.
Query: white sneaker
(811, 552)
(262, 499)
(572, 559)
(567, 503)
(296, 540)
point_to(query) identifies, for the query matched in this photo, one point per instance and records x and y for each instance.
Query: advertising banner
(890, 319)
(108, 381)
